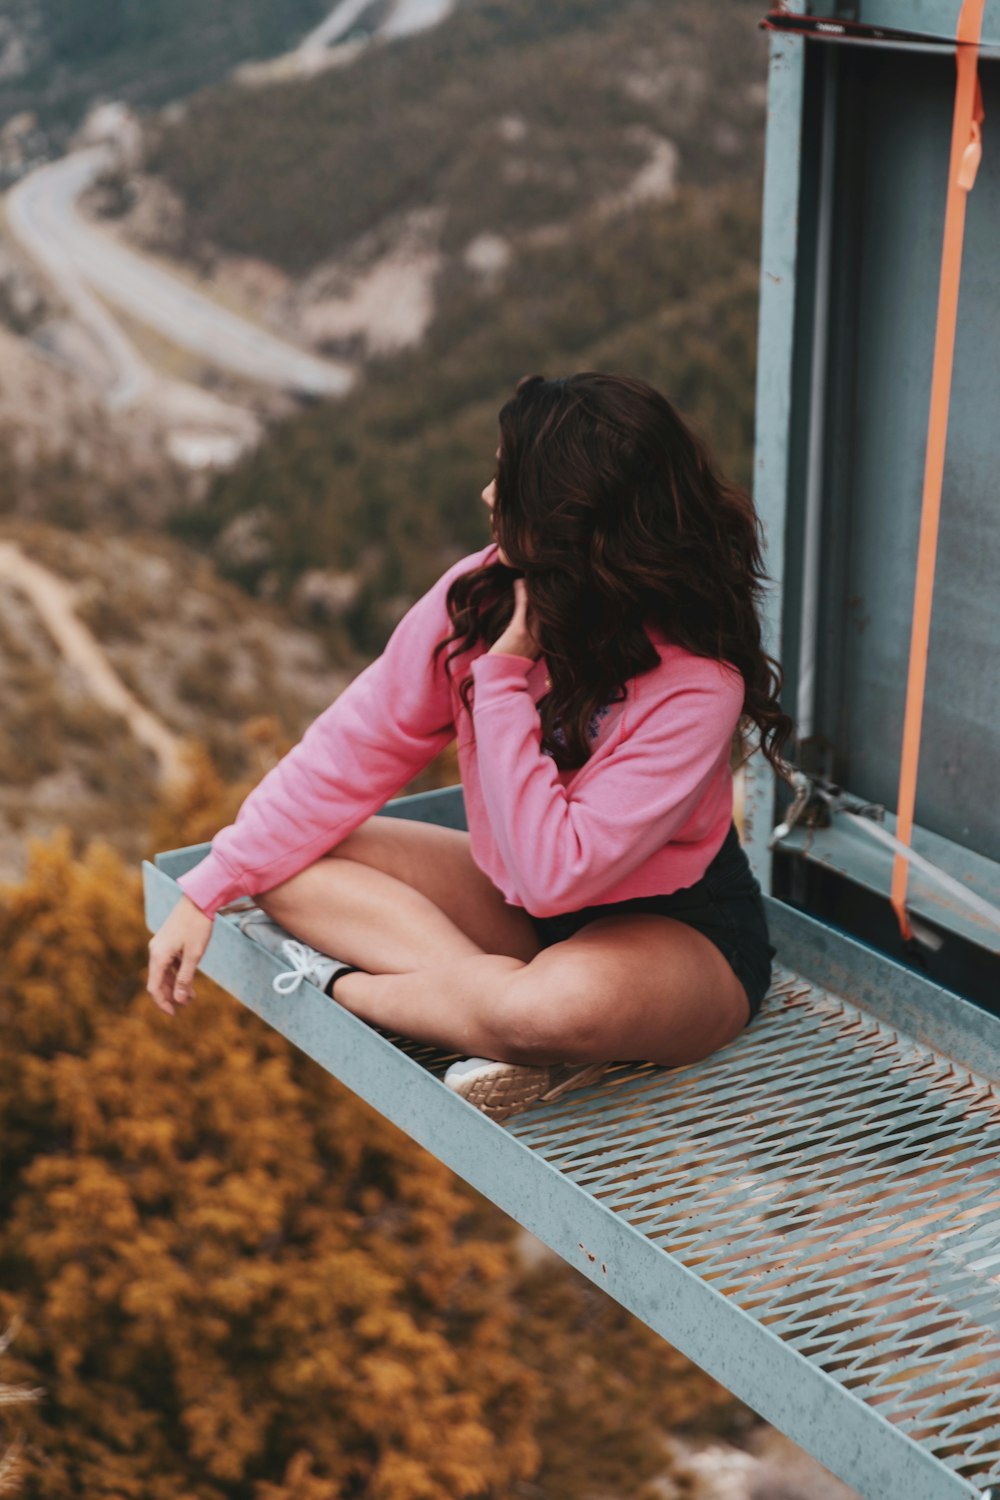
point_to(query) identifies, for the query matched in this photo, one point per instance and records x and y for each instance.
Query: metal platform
(846, 849)
(812, 1214)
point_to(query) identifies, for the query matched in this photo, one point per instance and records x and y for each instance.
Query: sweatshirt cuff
(211, 884)
(496, 673)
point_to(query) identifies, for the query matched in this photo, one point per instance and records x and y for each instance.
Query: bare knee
(552, 1012)
(367, 844)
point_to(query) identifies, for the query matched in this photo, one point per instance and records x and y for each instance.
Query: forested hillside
(386, 483)
(589, 178)
(56, 56)
(507, 118)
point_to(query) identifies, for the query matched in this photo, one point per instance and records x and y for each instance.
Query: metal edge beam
(851, 1438)
(775, 339)
(848, 851)
(841, 31)
(913, 1005)
(444, 805)
(931, 18)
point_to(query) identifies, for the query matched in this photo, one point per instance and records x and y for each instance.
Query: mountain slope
(507, 118)
(193, 651)
(386, 483)
(56, 56)
(588, 178)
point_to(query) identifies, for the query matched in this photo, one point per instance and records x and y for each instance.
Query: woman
(595, 661)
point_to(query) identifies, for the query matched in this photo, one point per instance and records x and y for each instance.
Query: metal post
(779, 244)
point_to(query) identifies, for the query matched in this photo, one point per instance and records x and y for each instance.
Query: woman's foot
(306, 962)
(502, 1089)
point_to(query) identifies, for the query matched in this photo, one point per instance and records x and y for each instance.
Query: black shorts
(725, 904)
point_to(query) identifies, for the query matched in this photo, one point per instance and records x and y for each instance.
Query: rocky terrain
(212, 668)
(593, 243)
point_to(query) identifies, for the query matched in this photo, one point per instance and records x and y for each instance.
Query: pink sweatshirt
(646, 813)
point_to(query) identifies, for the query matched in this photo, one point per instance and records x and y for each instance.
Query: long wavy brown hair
(612, 510)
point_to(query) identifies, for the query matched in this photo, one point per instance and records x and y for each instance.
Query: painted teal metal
(773, 413)
(858, 139)
(812, 1214)
(932, 18)
(845, 850)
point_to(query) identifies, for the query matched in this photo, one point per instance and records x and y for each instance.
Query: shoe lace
(304, 965)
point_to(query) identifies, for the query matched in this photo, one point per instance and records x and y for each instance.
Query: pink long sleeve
(566, 848)
(384, 728)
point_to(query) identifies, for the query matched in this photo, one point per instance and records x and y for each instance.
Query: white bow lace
(304, 961)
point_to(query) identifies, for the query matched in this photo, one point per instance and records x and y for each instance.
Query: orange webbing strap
(966, 150)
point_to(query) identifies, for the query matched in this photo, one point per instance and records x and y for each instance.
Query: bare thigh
(630, 987)
(438, 863)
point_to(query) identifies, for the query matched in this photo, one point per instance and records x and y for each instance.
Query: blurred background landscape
(267, 274)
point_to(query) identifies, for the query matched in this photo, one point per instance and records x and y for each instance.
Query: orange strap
(966, 150)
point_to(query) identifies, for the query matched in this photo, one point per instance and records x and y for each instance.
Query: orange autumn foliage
(235, 1279)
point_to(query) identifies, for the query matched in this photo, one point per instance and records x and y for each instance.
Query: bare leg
(640, 987)
(432, 982)
(459, 1006)
(366, 917)
(624, 987)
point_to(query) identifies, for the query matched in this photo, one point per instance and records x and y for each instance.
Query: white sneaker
(502, 1089)
(306, 963)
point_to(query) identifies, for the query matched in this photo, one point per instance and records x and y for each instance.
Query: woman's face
(489, 500)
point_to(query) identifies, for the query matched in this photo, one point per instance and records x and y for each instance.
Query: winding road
(90, 269)
(81, 259)
(404, 19)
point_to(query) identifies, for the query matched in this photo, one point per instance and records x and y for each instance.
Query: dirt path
(53, 598)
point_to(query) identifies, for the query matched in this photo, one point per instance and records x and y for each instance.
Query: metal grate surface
(812, 1213)
(836, 1181)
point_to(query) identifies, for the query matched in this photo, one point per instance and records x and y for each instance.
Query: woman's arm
(565, 849)
(380, 732)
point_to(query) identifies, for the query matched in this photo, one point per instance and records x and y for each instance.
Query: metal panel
(935, 18)
(847, 850)
(898, 138)
(812, 1214)
(847, 440)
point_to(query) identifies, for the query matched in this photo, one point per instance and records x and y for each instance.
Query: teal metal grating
(839, 1183)
(835, 1180)
(812, 1214)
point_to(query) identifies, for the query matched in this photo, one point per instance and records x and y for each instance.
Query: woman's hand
(517, 639)
(174, 954)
